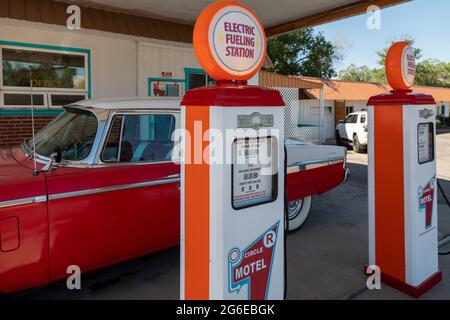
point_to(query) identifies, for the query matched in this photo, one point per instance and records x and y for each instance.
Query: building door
(340, 111)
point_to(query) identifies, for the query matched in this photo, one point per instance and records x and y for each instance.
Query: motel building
(344, 97)
(144, 48)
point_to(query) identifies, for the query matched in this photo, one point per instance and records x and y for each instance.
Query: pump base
(415, 292)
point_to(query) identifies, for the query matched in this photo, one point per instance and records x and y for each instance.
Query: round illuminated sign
(401, 66)
(229, 41)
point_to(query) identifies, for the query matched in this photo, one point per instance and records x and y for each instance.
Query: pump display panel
(255, 176)
(425, 142)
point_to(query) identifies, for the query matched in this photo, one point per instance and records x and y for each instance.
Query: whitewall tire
(298, 212)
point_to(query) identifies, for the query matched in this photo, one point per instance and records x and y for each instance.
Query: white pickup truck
(353, 131)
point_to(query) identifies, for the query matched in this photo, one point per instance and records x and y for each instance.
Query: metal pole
(322, 116)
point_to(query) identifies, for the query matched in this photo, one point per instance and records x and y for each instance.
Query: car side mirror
(57, 154)
(55, 157)
(341, 121)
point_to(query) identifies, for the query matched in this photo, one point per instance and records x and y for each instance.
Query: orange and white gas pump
(403, 232)
(232, 205)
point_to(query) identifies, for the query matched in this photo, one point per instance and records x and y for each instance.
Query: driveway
(443, 156)
(325, 258)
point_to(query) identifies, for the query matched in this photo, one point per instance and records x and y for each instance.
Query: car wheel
(298, 212)
(356, 145)
(338, 139)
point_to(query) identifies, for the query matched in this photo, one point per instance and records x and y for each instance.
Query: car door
(342, 127)
(361, 126)
(126, 206)
(350, 126)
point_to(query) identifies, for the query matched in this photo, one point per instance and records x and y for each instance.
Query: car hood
(12, 166)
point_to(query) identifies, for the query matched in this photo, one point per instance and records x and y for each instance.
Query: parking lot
(325, 258)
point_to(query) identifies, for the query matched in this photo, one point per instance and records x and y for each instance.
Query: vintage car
(104, 189)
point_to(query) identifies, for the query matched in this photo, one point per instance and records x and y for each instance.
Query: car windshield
(72, 133)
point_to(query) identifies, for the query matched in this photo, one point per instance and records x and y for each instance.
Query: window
(111, 148)
(46, 69)
(254, 174)
(57, 77)
(425, 142)
(159, 87)
(363, 119)
(140, 138)
(72, 133)
(349, 110)
(197, 78)
(23, 99)
(351, 119)
(59, 100)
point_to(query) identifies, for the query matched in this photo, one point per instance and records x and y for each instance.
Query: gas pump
(403, 232)
(232, 207)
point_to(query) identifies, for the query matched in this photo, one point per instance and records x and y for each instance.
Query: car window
(111, 148)
(72, 133)
(363, 119)
(351, 118)
(140, 138)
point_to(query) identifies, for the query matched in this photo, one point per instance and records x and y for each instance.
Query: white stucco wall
(113, 59)
(357, 105)
(120, 65)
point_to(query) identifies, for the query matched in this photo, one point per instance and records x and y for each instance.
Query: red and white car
(107, 190)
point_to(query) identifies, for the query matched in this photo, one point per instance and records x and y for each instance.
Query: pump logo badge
(252, 266)
(426, 195)
(236, 39)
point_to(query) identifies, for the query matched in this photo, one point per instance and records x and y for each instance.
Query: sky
(426, 21)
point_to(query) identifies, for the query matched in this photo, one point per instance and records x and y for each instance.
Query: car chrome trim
(312, 164)
(23, 201)
(86, 192)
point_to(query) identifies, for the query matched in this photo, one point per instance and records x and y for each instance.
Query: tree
(354, 73)
(429, 72)
(383, 53)
(364, 73)
(303, 52)
(434, 73)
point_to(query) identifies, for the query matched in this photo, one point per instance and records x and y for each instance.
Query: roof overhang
(173, 20)
(277, 17)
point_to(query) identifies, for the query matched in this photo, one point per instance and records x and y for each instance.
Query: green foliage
(303, 52)
(433, 73)
(382, 53)
(354, 73)
(430, 72)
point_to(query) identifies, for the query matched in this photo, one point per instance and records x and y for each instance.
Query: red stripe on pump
(389, 191)
(197, 211)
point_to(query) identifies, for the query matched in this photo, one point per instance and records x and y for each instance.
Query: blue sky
(427, 21)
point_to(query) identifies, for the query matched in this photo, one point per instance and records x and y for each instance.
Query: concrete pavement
(325, 258)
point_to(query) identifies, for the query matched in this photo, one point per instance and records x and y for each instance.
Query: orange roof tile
(357, 90)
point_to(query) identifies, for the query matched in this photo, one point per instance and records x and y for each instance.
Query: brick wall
(15, 128)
